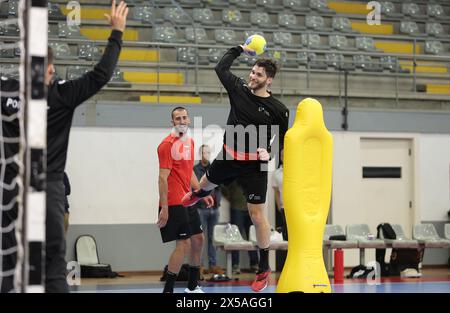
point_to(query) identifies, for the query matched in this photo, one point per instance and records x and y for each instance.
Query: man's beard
(257, 86)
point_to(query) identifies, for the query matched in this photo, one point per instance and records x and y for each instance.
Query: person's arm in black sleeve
(79, 90)
(284, 126)
(222, 68)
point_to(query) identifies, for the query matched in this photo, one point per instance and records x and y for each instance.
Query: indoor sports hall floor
(434, 280)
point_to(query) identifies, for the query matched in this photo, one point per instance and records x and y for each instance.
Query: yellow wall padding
(425, 67)
(397, 47)
(95, 33)
(154, 78)
(438, 89)
(139, 55)
(88, 13)
(171, 99)
(383, 29)
(308, 158)
(349, 7)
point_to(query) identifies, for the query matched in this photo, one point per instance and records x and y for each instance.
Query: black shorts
(182, 223)
(248, 173)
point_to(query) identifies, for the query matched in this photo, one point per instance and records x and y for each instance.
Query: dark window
(382, 172)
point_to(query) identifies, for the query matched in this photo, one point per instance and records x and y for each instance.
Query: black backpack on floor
(87, 256)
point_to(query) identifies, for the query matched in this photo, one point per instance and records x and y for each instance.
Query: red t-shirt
(178, 156)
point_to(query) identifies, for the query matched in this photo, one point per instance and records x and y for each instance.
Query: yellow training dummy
(308, 157)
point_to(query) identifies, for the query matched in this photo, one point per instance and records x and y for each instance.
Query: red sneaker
(260, 282)
(189, 199)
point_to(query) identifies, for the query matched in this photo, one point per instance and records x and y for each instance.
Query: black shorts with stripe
(248, 173)
(182, 223)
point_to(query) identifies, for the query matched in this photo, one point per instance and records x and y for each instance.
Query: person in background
(208, 216)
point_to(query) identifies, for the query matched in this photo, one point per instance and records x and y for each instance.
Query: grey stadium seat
(177, 15)
(10, 71)
(215, 54)
(391, 64)
(366, 63)
(339, 42)
(69, 32)
(342, 24)
(227, 36)
(283, 58)
(312, 41)
(54, 12)
(426, 234)
(289, 21)
(233, 17)
(336, 230)
(13, 7)
(216, 3)
(365, 43)
(261, 19)
(401, 241)
(284, 39)
(89, 52)
(410, 28)
(334, 60)
(434, 47)
(388, 8)
(320, 6)
(229, 238)
(145, 14)
(273, 244)
(166, 34)
(312, 60)
(62, 51)
(190, 55)
(316, 22)
(117, 76)
(413, 10)
(360, 232)
(7, 50)
(435, 29)
(199, 34)
(436, 10)
(205, 16)
(297, 5)
(247, 4)
(191, 2)
(74, 72)
(269, 4)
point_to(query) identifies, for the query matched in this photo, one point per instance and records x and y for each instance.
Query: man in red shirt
(176, 222)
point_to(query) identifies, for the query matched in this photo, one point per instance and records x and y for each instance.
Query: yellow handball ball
(257, 43)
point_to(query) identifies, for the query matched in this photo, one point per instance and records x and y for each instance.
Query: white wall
(434, 185)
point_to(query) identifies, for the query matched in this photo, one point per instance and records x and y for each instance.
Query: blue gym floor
(417, 286)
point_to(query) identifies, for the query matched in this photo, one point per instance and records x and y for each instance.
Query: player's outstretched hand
(118, 17)
(263, 155)
(209, 201)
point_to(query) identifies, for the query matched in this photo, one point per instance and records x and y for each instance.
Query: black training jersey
(9, 161)
(10, 98)
(65, 96)
(248, 109)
